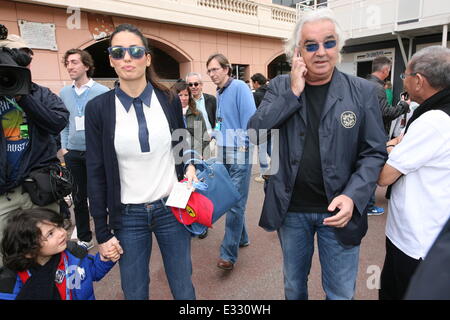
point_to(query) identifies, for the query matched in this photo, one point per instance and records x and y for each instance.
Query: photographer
(28, 124)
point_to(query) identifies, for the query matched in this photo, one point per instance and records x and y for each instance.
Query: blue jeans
(262, 157)
(239, 168)
(339, 264)
(371, 201)
(139, 221)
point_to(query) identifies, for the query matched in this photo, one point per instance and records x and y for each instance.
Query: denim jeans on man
(139, 221)
(339, 263)
(76, 163)
(239, 167)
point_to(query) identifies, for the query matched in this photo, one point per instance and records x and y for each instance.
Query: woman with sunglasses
(194, 121)
(132, 168)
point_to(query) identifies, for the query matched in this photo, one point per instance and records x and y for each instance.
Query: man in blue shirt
(235, 106)
(80, 66)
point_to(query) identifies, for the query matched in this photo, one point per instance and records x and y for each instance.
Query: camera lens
(7, 80)
(14, 80)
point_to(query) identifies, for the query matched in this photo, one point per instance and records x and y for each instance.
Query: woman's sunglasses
(135, 52)
(313, 47)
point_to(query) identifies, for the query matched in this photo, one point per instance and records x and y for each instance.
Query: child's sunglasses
(135, 52)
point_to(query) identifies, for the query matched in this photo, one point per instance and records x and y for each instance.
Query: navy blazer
(101, 158)
(210, 106)
(352, 147)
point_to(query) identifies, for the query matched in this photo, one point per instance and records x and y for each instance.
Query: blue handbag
(218, 186)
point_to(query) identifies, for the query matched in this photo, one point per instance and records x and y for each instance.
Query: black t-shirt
(309, 191)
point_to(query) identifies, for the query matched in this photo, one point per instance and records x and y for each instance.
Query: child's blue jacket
(82, 270)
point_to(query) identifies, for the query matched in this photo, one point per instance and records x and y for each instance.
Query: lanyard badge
(24, 131)
(218, 126)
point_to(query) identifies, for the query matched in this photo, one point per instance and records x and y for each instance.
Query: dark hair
(86, 59)
(258, 77)
(3, 32)
(182, 85)
(21, 241)
(222, 60)
(150, 73)
(379, 62)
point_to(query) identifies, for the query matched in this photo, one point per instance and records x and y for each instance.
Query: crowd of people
(334, 147)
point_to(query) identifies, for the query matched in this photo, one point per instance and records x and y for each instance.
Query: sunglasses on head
(135, 52)
(193, 84)
(313, 47)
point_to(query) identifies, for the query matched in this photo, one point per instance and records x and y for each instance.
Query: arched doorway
(278, 66)
(165, 65)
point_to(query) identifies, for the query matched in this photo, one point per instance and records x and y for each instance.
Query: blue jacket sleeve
(45, 109)
(96, 170)
(278, 105)
(99, 268)
(372, 154)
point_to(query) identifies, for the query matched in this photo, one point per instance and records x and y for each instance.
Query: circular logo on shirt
(348, 119)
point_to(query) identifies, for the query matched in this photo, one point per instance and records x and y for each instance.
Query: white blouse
(149, 176)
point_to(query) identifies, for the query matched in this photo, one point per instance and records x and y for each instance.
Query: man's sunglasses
(193, 84)
(313, 47)
(135, 52)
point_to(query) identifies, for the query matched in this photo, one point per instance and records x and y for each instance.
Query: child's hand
(111, 249)
(104, 259)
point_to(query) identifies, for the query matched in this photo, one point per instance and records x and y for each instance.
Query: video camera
(15, 78)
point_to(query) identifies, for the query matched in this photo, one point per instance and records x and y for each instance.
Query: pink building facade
(188, 47)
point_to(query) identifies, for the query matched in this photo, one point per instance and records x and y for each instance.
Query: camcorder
(15, 78)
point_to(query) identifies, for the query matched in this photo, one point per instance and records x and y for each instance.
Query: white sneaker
(259, 179)
(86, 244)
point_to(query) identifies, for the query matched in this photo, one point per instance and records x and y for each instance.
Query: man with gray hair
(206, 103)
(332, 140)
(419, 169)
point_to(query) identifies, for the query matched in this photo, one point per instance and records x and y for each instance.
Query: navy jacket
(47, 116)
(352, 147)
(388, 112)
(210, 106)
(101, 158)
(431, 280)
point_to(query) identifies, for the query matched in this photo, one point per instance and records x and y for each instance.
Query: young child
(40, 264)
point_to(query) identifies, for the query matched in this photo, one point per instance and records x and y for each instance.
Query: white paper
(79, 123)
(179, 196)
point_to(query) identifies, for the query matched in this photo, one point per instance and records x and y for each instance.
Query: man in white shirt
(419, 169)
(80, 67)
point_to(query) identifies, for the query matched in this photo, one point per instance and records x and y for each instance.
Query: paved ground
(258, 272)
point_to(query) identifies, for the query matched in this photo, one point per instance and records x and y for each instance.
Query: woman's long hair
(150, 73)
(181, 85)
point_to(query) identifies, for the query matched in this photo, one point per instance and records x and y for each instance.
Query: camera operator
(28, 124)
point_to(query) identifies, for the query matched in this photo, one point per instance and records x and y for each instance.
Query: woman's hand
(110, 249)
(190, 175)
